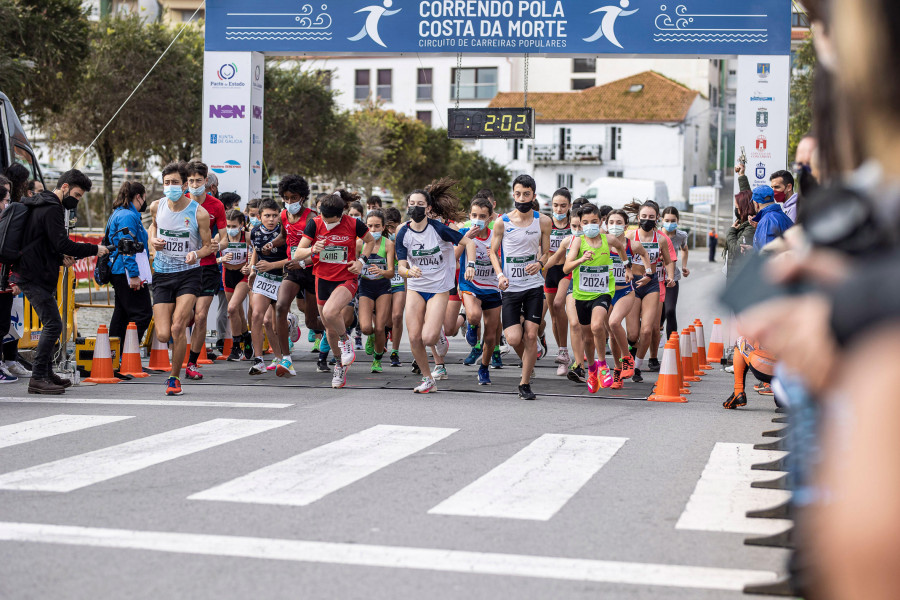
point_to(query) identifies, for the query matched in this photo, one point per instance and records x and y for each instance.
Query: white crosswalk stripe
(723, 494)
(537, 482)
(68, 474)
(133, 402)
(312, 475)
(38, 429)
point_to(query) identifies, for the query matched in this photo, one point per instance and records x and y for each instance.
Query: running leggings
(668, 310)
(756, 364)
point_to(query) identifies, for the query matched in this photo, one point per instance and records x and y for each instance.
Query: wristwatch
(470, 264)
(628, 264)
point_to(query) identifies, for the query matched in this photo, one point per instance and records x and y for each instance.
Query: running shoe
(735, 401)
(606, 376)
(286, 368)
(332, 361)
(729, 369)
(357, 341)
(542, 346)
(339, 379)
(443, 344)
(617, 380)
(562, 369)
(395, 359)
(471, 334)
(348, 354)
(496, 360)
(322, 366)
(758, 386)
(440, 373)
(415, 368)
(653, 365)
(593, 379)
(637, 376)
(6, 377)
(473, 356)
(274, 364)
(504, 347)
(484, 375)
(14, 367)
(248, 346)
(562, 357)
(173, 387)
(576, 374)
(376, 366)
(293, 327)
(317, 344)
(766, 390)
(627, 367)
(191, 372)
(525, 392)
(426, 387)
(236, 354)
(258, 368)
(311, 336)
(370, 344)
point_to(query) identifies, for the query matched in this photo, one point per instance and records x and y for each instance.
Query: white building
(641, 127)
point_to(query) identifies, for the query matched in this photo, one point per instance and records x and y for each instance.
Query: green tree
(801, 95)
(474, 171)
(42, 48)
(162, 116)
(304, 130)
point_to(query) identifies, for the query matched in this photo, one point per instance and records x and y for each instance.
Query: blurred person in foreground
(851, 324)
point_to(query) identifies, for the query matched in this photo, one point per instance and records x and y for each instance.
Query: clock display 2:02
(491, 123)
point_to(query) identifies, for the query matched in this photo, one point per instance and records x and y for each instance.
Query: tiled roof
(661, 100)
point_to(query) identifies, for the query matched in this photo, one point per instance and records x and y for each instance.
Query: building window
(362, 91)
(515, 149)
(583, 84)
(424, 116)
(732, 109)
(615, 141)
(619, 174)
(696, 139)
(799, 19)
(384, 84)
(423, 88)
(564, 180)
(584, 65)
(187, 14)
(474, 84)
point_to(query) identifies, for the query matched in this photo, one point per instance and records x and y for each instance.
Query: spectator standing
(783, 186)
(18, 176)
(771, 222)
(132, 301)
(713, 243)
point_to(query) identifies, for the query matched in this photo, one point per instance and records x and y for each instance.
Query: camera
(127, 246)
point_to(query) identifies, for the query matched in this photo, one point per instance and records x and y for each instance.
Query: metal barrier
(32, 323)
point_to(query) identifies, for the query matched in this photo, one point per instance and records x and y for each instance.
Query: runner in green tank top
(375, 290)
(591, 267)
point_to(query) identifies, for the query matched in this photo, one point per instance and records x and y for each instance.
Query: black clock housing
(495, 123)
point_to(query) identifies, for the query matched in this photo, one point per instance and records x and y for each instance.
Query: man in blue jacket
(771, 222)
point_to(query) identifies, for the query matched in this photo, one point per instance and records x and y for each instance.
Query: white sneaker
(293, 327)
(426, 387)
(286, 368)
(504, 347)
(729, 369)
(348, 354)
(443, 344)
(440, 373)
(14, 367)
(562, 357)
(340, 377)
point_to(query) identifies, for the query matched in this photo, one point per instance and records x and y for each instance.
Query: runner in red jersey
(332, 238)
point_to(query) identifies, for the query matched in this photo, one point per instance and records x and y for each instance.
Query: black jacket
(47, 242)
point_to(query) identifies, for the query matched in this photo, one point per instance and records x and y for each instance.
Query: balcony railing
(591, 153)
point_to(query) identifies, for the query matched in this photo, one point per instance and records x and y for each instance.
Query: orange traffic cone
(701, 346)
(102, 368)
(687, 361)
(131, 354)
(187, 350)
(226, 348)
(159, 357)
(695, 353)
(667, 388)
(203, 359)
(716, 343)
(684, 385)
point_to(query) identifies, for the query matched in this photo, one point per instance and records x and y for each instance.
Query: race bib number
(335, 255)
(429, 260)
(556, 238)
(267, 284)
(618, 268)
(515, 266)
(484, 269)
(397, 280)
(238, 251)
(594, 280)
(652, 249)
(376, 261)
(177, 242)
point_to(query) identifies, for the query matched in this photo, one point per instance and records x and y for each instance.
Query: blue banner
(582, 27)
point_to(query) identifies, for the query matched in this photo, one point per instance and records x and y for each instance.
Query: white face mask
(330, 226)
(616, 230)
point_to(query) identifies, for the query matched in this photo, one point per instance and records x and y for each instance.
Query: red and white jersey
(340, 247)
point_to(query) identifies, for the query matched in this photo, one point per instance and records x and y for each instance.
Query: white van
(617, 192)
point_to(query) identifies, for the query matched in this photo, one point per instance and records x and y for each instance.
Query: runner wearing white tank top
(519, 249)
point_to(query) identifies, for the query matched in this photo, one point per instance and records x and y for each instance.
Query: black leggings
(10, 348)
(668, 315)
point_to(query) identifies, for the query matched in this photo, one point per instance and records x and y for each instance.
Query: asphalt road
(267, 488)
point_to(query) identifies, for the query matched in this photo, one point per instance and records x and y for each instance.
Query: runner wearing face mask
(235, 280)
(679, 244)
(562, 228)
(398, 289)
(375, 290)
(331, 237)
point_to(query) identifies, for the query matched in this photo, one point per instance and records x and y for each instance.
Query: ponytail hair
(443, 200)
(128, 192)
(236, 215)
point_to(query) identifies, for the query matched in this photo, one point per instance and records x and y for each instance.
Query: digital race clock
(499, 123)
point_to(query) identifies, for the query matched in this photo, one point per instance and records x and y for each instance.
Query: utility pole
(720, 171)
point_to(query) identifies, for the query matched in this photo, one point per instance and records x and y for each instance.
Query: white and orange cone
(668, 387)
(102, 367)
(131, 354)
(716, 343)
(701, 345)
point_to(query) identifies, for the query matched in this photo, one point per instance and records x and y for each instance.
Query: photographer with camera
(128, 236)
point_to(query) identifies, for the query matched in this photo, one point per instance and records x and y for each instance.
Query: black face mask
(416, 213)
(143, 206)
(648, 225)
(524, 207)
(70, 203)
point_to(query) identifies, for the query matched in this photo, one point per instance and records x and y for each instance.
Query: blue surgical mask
(670, 226)
(198, 191)
(578, 233)
(254, 222)
(234, 232)
(173, 192)
(591, 230)
(358, 218)
(478, 223)
(294, 208)
(392, 237)
(376, 235)
(561, 217)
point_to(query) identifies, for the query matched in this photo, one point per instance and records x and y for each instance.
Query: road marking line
(38, 429)
(312, 475)
(125, 402)
(393, 557)
(723, 494)
(537, 481)
(79, 471)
